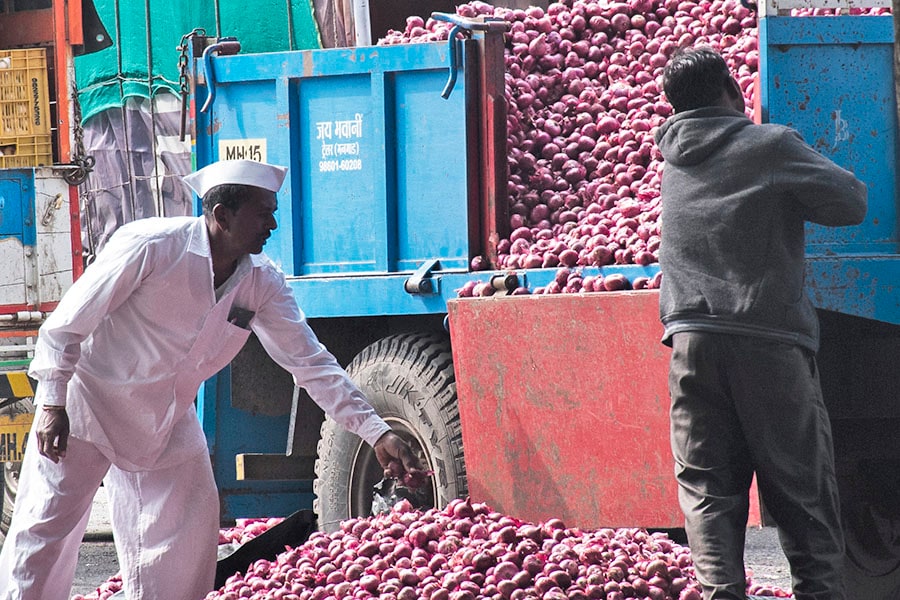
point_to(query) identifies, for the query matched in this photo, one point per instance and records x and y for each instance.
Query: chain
(183, 74)
(83, 163)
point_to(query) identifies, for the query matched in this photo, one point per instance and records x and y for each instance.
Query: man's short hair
(229, 195)
(695, 78)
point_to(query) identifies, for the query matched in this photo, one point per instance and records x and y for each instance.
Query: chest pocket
(215, 346)
(226, 346)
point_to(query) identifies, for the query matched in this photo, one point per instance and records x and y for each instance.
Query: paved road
(764, 557)
(97, 558)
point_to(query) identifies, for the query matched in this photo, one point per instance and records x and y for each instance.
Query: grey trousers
(742, 405)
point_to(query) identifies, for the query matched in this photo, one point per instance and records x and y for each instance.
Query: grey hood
(690, 137)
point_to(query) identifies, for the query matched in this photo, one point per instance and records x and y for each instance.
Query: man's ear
(222, 216)
(736, 95)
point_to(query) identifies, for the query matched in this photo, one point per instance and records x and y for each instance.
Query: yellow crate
(26, 151)
(24, 97)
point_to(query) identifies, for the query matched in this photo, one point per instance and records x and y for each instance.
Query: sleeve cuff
(373, 429)
(51, 393)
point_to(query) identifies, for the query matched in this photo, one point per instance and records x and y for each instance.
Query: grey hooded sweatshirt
(735, 196)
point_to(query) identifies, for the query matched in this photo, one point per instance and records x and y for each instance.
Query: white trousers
(165, 525)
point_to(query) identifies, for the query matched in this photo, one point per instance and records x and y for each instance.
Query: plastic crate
(26, 151)
(24, 98)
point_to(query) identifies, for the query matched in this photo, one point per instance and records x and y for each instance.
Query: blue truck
(397, 182)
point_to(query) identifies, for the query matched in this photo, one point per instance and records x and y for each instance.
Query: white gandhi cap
(242, 172)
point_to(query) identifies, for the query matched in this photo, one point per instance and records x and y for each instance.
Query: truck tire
(11, 473)
(872, 530)
(409, 380)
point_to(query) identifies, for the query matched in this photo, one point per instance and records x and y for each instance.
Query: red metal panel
(74, 22)
(64, 61)
(564, 407)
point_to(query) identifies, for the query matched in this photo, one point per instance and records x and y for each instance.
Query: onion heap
(465, 551)
(584, 99)
(469, 552)
(245, 530)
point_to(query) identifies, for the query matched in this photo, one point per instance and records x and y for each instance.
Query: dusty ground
(763, 556)
(96, 563)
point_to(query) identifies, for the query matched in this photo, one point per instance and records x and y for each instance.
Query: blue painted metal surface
(341, 297)
(230, 431)
(831, 79)
(378, 160)
(17, 205)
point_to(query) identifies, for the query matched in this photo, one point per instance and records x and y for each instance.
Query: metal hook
(460, 25)
(227, 46)
(455, 52)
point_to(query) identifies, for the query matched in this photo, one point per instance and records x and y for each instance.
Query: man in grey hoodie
(743, 380)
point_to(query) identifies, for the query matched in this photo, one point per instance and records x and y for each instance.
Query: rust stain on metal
(214, 127)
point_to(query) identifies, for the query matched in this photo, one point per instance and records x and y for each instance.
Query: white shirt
(132, 340)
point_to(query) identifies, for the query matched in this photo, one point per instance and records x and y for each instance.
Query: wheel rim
(366, 472)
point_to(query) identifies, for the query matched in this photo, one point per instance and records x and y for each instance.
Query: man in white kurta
(167, 304)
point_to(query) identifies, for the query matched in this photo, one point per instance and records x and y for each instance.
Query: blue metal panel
(231, 431)
(17, 205)
(378, 159)
(341, 213)
(831, 78)
(250, 112)
(363, 296)
(272, 504)
(864, 286)
(431, 207)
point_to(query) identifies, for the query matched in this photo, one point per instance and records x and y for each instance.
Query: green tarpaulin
(146, 33)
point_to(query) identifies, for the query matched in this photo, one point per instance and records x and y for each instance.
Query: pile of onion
(245, 530)
(469, 552)
(584, 100)
(465, 551)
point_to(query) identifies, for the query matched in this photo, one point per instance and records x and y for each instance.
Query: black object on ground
(293, 531)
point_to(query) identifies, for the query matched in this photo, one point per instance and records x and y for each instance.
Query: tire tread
(425, 358)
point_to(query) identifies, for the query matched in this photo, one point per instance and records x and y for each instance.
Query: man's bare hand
(52, 432)
(398, 460)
